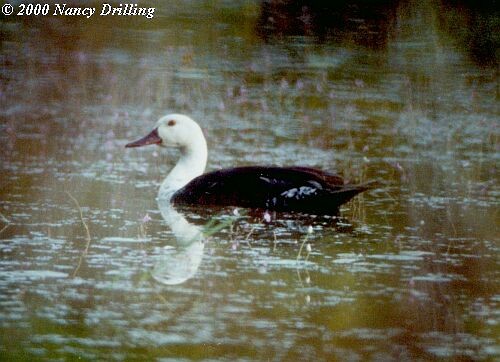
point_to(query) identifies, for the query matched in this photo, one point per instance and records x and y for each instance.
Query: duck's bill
(150, 139)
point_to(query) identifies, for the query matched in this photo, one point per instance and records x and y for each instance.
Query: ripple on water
(443, 345)
(438, 278)
(119, 239)
(371, 333)
(146, 337)
(335, 298)
(75, 341)
(348, 258)
(17, 276)
(403, 256)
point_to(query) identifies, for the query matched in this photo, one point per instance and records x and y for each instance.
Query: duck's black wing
(299, 189)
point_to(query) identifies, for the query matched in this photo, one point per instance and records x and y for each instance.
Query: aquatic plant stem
(81, 216)
(308, 252)
(6, 221)
(4, 228)
(248, 236)
(85, 251)
(302, 246)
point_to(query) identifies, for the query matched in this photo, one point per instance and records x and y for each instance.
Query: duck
(299, 189)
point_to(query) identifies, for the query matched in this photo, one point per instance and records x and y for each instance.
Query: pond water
(93, 268)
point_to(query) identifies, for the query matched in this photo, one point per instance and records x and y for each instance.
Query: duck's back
(300, 189)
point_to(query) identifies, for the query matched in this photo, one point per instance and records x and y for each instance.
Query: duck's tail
(344, 193)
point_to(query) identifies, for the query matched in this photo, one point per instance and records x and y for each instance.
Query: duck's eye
(171, 122)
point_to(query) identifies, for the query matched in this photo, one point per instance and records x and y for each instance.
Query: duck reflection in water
(178, 264)
(193, 227)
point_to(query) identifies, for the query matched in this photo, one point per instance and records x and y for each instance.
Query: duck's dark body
(299, 189)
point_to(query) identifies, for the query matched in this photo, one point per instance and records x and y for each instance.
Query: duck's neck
(190, 165)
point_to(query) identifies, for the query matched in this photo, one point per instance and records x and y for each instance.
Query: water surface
(409, 273)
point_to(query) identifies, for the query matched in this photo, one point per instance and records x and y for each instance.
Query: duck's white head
(179, 131)
(173, 130)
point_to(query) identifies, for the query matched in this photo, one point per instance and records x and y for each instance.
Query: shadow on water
(371, 24)
(364, 23)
